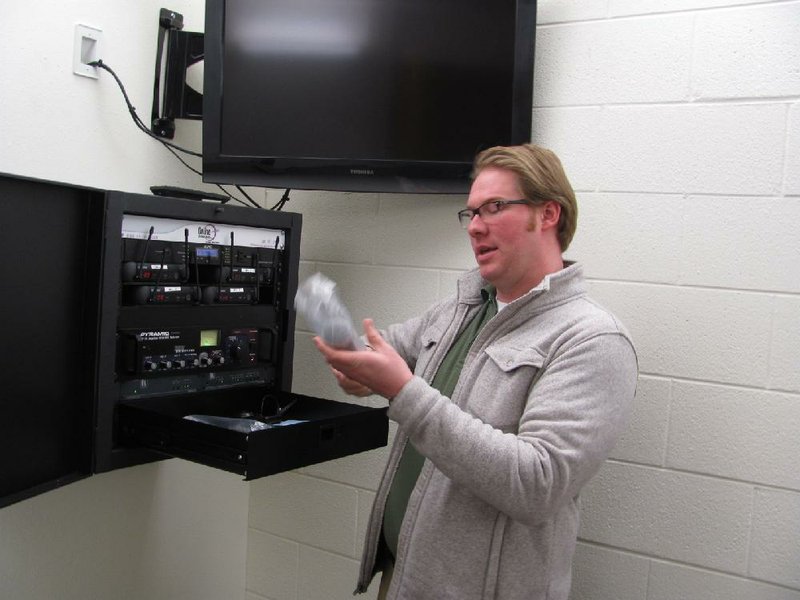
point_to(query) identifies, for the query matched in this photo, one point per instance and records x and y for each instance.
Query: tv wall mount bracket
(173, 98)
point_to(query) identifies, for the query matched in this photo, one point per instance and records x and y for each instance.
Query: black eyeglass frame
(466, 215)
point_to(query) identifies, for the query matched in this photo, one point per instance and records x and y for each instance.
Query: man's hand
(380, 369)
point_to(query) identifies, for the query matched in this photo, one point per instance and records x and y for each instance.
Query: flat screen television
(363, 95)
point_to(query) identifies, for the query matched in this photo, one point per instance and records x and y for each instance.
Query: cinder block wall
(679, 124)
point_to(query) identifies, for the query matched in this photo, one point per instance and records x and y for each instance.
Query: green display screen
(209, 337)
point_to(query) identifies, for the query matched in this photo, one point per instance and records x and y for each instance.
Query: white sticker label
(174, 230)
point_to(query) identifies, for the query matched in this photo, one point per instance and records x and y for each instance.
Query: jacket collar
(555, 288)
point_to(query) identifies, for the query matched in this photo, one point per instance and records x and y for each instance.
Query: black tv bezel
(351, 175)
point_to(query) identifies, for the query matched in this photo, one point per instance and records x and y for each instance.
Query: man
(508, 396)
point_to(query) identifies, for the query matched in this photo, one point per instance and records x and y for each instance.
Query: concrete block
(574, 135)
(312, 376)
(689, 518)
(337, 226)
(678, 582)
(138, 532)
(306, 268)
(775, 543)
(602, 62)
(387, 295)
(713, 335)
(448, 283)
(607, 574)
(725, 245)
(784, 365)
(326, 576)
(50, 539)
(422, 231)
(698, 148)
(620, 8)
(750, 52)
(361, 470)
(630, 237)
(558, 11)
(272, 566)
(645, 439)
(735, 433)
(306, 510)
(792, 177)
(176, 559)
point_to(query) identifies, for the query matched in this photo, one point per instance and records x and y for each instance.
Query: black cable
(239, 200)
(282, 202)
(193, 170)
(187, 165)
(132, 110)
(232, 197)
(168, 145)
(246, 195)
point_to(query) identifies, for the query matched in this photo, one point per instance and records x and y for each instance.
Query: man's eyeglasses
(486, 211)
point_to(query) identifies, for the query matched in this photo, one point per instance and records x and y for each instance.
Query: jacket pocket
(431, 337)
(508, 358)
(500, 392)
(493, 562)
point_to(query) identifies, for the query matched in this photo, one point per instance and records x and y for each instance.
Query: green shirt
(445, 381)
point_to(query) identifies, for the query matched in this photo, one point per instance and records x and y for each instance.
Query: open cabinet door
(49, 240)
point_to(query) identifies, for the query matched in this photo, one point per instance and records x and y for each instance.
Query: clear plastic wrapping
(238, 424)
(235, 424)
(323, 310)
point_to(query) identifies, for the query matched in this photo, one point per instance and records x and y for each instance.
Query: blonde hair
(541, 178)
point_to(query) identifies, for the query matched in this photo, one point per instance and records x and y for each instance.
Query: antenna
(230, 273)
(197, 281)
(144, 253)
(186, 254)
(255, 264)
(275, 273)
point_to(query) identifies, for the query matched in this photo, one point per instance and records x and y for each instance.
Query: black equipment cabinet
(157, 327)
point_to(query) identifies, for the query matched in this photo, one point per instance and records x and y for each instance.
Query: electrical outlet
(86, 49)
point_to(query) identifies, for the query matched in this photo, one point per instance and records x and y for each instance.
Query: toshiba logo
(362, 172)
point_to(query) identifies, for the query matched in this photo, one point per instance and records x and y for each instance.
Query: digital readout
(209, 337)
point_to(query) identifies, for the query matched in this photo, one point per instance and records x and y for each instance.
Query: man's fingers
(321, 346)
(373, 335)
(327, 351)
(349, 385)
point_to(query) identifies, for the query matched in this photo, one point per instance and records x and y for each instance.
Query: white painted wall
(59, 126)
(167, 531)
(679, 125)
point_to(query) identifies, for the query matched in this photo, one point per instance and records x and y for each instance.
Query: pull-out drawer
(215, 430)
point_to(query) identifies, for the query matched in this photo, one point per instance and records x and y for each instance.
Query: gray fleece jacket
(544, 394)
